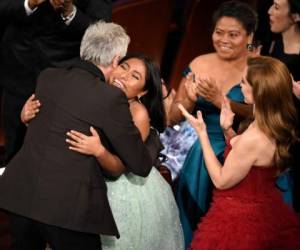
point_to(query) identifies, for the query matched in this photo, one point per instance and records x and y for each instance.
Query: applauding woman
(248, 211)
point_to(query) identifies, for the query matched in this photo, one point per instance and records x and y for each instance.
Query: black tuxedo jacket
(48, 182)
(41, 40)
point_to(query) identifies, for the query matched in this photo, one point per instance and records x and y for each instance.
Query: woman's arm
(92, 145)
(208, 89)
(238, 163)
(186, 95)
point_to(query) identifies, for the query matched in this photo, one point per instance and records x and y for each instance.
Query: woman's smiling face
(130, 77)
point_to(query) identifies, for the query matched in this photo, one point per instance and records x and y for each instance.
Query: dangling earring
(250, 47)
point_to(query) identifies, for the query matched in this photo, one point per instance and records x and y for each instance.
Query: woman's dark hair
(294, 6)
(152, 100)
(240, 11)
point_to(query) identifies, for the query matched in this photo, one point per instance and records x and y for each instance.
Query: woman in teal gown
(195, 187)
(209, 78)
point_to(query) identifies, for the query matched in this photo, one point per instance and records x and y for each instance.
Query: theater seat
(147, 23)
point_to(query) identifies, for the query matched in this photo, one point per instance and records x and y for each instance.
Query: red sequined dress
(250, 215)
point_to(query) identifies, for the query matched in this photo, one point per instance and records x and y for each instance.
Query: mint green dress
(145, 212)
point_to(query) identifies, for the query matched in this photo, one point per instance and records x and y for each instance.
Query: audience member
(39, 34)
(209, 77)
(284, 18)
(248, 211)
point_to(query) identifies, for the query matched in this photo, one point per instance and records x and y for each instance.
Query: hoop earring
(250, 47)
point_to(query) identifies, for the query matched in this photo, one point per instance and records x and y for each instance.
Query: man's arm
(88, 13)
(125, 138)
(9, 8)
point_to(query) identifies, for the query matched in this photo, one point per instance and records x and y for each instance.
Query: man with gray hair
(51, 193)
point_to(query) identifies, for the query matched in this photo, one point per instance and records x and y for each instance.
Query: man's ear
(115, 61)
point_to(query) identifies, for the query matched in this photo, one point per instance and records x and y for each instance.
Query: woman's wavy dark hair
(152, 100)
(242, 12)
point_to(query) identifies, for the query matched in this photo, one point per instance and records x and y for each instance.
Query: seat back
(196, 36)
(147, 23)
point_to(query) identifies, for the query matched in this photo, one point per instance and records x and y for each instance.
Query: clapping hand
(226, 116)
(30, 109)
(296, 89)
(88, 145)
(197, 123)
(209, 90)
(191, 87)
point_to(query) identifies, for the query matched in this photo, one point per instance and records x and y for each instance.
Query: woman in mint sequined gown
(144, 209)
(210, 77)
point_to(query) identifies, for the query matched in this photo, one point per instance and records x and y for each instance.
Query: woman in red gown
(248, 211)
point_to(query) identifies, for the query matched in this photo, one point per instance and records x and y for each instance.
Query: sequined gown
(145, 213)
(195, 187)
(250, 216)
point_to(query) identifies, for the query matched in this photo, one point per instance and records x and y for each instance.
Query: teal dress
(194, 191)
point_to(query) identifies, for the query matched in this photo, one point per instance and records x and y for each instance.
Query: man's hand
(34, 3)
(65, 7)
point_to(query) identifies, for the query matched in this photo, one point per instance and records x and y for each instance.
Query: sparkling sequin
(146, 214)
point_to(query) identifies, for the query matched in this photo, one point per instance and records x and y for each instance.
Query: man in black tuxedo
(39, 34)
(56, 195)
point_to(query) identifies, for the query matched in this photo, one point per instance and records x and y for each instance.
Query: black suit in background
(48, 183)
(31, 44)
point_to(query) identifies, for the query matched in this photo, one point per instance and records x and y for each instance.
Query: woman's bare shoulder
(255, 141)
(138, 111)
(202, 62)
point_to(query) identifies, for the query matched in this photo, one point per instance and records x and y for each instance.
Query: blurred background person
(284, 23)
(38, 34)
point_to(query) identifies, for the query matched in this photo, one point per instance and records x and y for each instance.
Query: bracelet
(70, 16)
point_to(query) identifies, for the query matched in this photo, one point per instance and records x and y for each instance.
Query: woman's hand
(208, 89)
(88, 145)
(197, 123)
(226, 116)
(30, 109)
(191, 87)
(296, 89)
